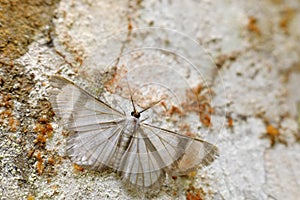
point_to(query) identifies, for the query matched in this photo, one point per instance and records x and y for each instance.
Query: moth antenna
(133, 106)
(153, 104)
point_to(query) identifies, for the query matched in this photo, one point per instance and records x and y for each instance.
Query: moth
(103, 137)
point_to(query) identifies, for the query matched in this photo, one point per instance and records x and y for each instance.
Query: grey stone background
(246, 53)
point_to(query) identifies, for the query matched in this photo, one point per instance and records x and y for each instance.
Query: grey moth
(103, 137)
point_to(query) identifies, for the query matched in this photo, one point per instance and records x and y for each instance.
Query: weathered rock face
(227, 72)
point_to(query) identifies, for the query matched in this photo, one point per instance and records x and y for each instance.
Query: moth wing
(95, 148)
(150, 152)
(95, 126)
(76, 106)
(154, 151)
(198, 154)
(183, 154)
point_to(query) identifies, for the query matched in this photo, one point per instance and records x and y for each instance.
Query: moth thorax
(132, 124)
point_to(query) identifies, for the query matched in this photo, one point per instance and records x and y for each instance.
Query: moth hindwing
(102, 137)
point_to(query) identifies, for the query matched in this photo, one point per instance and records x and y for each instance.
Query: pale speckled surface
(257, 81)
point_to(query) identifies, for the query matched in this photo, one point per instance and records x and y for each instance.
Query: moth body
(127, 134)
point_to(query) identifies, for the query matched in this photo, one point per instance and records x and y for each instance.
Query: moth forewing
(95, 126)
(74, 105)
(63, 97)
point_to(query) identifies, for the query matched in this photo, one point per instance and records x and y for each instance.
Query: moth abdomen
(124, 141)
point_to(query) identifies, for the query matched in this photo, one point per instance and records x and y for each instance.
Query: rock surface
(240, 60)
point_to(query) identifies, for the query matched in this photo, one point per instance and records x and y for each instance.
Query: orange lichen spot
(7, 97)
(274, 135)
(198, 102)
(252, 25)
(40, 140)
(194, 194)
(174, 193)
(129, 26)
(13, 128)
(164, 104)
(205, 120)
(287, 17)
(17, 122)
(7, 113)
(44, 130)
(6, 101)
(51, 161)
(186, 129)
(39, 128)
(40, 163)
(49, 129)
(39, 156)
(197, 90)
(30, 197)
(40, 167)
(13, 123)
(221, 59)
(230, 122)
(210, 110)
(175, 110)
(80, 61)
(272, 131)
(78, 168)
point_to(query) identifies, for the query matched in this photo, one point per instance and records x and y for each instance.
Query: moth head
(135, 114)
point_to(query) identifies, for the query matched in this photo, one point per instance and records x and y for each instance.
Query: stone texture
(244, 54)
